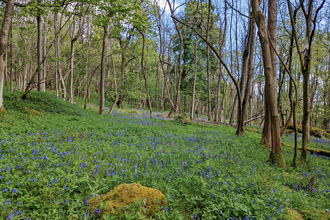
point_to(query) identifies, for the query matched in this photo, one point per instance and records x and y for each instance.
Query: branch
(216, 53)
(237, 10)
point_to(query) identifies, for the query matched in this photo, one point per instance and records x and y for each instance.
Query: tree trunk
(270, 85)
(3, 44)
(39, 50)
(245, 83)
(306, 72)
(102, 83)
(144, 74)
(44, 72)
(114, 78)
(194, 84)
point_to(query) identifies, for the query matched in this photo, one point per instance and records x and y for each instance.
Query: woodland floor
(52, 163)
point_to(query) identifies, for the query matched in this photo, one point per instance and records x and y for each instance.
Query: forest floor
(55, 156)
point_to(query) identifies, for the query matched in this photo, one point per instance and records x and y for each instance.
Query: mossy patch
(287, 189)
(316, 132)
(315, 214)
(125, 195)
(277, 159)
(31, 111)
(292, 214)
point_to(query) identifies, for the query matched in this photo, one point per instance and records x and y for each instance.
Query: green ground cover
(51, 164)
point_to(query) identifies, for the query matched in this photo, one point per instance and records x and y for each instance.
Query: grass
(51, 164)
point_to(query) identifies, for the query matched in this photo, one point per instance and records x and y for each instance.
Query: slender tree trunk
(115, 80)
(194, 84)
(223, 102)
(245, 83)
(11, 60)
(39, 49)
(176, 107)
(209, 109)
(44, 72)
(144, 74)
(102, 81)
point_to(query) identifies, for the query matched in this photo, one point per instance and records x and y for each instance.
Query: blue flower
(195, 216)
(165, 209)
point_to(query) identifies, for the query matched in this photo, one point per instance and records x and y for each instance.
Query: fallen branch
(252, 119)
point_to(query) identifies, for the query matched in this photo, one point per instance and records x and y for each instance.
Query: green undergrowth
(52, 164)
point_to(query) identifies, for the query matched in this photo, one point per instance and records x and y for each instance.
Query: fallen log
(312, 150)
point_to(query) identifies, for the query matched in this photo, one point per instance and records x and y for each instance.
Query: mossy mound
(41, 102)
(125, 195)
(287, 189)
(277, 159)
(292, 214)
(182, 119)
(315, 214)
(31, 111)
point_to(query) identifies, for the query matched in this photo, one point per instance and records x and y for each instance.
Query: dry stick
(252, 119)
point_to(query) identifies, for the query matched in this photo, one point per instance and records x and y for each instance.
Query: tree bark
(3, 44)
(194, 84)
(39, 49)
(144, 74)
(270, 85)
(102, 80)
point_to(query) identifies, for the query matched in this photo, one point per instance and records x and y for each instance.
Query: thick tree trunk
(270, 85)
(102, 80)
(3, 44)
(306, 72)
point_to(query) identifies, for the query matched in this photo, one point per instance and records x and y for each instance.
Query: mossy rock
(315, 214)
(125, 195)
(292, 214)
(31, 111)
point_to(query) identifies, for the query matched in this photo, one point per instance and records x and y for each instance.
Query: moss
(125, 195)
(277, 159)
(292, 214)
(2, 115)
(31, 111)
(316, 132)
(315, 214)
(287, 189)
